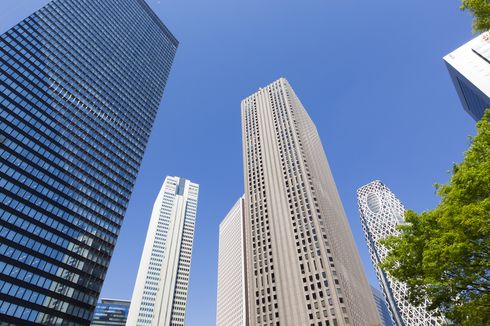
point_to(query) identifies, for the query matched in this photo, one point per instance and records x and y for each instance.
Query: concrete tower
(302, 264)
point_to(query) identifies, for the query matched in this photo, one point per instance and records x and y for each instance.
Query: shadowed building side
(469, 68)
(383, 310)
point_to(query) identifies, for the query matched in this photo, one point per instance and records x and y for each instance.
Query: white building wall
(160, 292)
(381, 212)
(469, 68)
(471, 60)
(231, 283)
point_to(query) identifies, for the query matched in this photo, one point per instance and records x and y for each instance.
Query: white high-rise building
(381, 212)
(160, 292)
(469, 67)
(302, 265)
(231, 274)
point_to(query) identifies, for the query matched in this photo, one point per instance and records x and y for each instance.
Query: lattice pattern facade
(302, 266)
(381, 212)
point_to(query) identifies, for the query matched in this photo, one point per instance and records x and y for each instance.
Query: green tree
(443, 254)
(481, 13)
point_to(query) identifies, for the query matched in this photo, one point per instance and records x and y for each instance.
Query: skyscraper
(80, 84)
(383, 310)
(302, 265)
(469, 67)
(111, 312)
(380, 213)
(160, 290)
(231, 269)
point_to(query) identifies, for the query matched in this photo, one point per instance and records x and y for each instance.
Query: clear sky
(370, 74)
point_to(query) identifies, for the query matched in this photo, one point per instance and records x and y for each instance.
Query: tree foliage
(481, 13)
(443, 254)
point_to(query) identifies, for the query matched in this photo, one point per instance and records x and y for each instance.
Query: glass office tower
(80, 85)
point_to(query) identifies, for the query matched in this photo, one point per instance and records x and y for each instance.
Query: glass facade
(469, 68)
(383, 311)
(111, 312)
(474, 101)
(80, 84)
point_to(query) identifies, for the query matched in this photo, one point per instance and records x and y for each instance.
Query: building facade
(231, 309)
(160, 290)
(469, 68)
(302, 264)
(383, 310)
(80, 84)
(111, 312)
(381, 212)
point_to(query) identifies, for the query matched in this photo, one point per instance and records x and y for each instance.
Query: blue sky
(370, 74)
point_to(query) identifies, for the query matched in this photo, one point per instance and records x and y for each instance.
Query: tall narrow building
(381, 212)
(231, 269)
(469, 68)
(160, 292)
(80, 85)
(302, 264)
